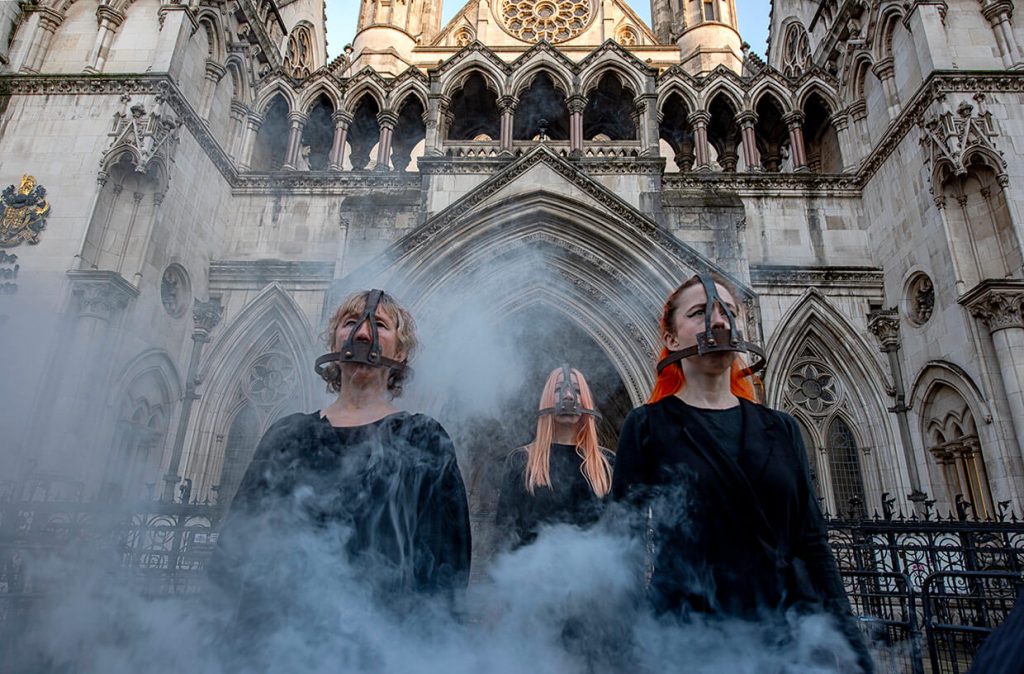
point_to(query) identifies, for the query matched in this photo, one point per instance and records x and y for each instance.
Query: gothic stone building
(214, 184)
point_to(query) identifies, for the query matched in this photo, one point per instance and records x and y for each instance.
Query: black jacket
(713, 550)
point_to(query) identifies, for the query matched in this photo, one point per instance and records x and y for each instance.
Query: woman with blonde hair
(377, 486)
(722, 482)
(563, 475)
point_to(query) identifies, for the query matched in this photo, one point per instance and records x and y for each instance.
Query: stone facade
(216, 185)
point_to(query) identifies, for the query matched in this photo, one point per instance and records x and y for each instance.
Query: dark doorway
(545, 339)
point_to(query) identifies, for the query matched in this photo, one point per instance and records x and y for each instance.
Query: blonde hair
(595, 466)
(405, 330)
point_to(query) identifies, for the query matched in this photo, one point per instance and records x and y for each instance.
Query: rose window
(271, 377)
(551, 20)
(812, 388)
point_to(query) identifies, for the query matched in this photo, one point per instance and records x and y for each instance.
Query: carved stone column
(252, 126)
(885, 72)
(885, 326)
(859, 114)
(109, 19)
(794, 121)
(205, 317)
(576, 104)
(507, 105)
(239, 112)
(437, 109)
(341, 121)
(699, 121)
(997, 305)
(49, 22)
(387, 120)
(646, 106)
(841, 123)
(212, 77)
(747, 119)
(998, 13)
(291, 157)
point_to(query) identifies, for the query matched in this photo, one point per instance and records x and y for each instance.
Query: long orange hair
(671, 380)
(594, 467)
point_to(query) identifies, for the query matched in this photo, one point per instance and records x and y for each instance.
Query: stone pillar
(661, 20)
(794, 121)
(337, 159)
(507, 105)
(998, 14)
(997, 305)
(213, 75)
(238, 115)
(205, 317)
(885, 325)
(646, 106)
(109, 19)
(699, 121)
(252, 126)
(291, 156)
(49, 21)
(859, 114)
(885, 72)
(841, 123)
(747, 119)
(437, 107)
(576, 104)
(387, 120)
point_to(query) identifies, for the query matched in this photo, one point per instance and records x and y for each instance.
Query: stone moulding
(803, 277)
(937, 84)
(247, 274)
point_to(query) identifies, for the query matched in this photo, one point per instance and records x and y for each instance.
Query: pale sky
(342, 14)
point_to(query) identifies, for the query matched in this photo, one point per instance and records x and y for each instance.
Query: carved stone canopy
(100, 294)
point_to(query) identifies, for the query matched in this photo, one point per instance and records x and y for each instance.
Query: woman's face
(564, 394)
(689, 322)
(387, 333)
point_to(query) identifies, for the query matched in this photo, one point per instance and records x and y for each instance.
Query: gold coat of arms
(23, 213)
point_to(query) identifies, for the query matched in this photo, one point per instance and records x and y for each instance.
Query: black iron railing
(927, 589)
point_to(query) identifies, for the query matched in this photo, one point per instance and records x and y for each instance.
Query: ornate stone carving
(920, 299)
(997, 304)
(175, 290)
(885, 325)
(551, 20)
(950, 140)
(812, 387)
(271, 377)
(100, 294)
(206, 315)
(149, 136)
(23, 213)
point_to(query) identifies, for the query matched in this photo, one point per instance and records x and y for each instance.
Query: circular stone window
(920, 298)
(175, 290)
(552, 20)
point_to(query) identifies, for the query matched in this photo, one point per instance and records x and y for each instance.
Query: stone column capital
(840, 120)
(997, 11)
(793, 118)
(239, 109)
(576, 104)
(858, 109)
(100, 294)
(387, 119)
(996, 303)
(507, 104)
(113, 17)
(205, 317)
(884, 324)
(297, 118)
(699, 117)
(746, 118)
(215, 71)
(342, 118)
(49, 18)
(254, 120)
(883, 68)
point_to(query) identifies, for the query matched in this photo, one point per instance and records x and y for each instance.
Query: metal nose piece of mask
(360, 351)
(715, 340)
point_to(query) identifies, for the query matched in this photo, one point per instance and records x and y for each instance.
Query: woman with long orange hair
(563, 475)
(723, 483)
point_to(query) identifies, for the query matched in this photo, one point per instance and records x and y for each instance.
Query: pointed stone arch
(551, 62)
(612, 58)
(321, 86)
(681, 88)
(267, 93)
(364, 86)
(815, 342)
(272, 323)
(728, 89)
(564, 235)
(771, 88)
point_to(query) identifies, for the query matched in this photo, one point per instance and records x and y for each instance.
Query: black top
(568, 500)
(726, 426)
(387, 496)
(714, 551)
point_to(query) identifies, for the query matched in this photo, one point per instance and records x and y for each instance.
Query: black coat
(713, 551)
(386, 499)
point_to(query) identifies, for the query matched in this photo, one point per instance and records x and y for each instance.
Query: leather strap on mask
(563, 407)
(364, 353)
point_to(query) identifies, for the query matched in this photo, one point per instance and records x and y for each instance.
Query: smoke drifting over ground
(567, 604)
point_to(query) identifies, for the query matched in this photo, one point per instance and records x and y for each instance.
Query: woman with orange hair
(563, 475)
(723, 481)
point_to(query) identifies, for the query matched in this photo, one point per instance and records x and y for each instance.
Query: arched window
(844, 468)
(317, 136)
(609, 111)
(238, 450)
(299, 58)
(271, 143)
(796, 51)
(474, 111)
(541, 112)
(133, 467)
